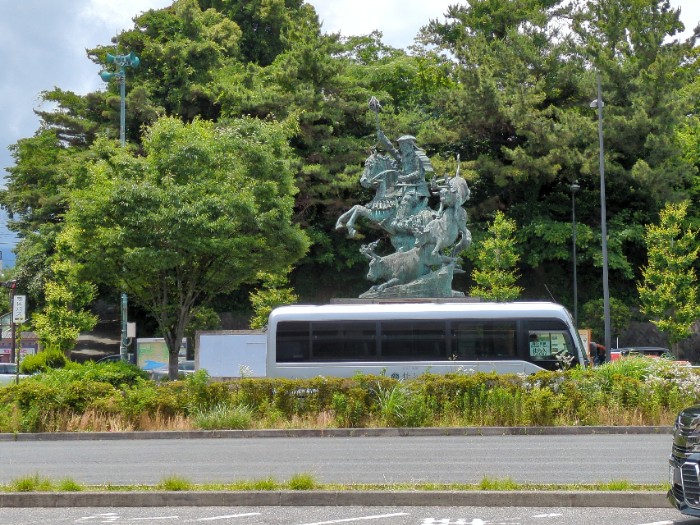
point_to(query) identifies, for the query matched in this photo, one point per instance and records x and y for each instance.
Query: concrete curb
(336, 432)
(337, 498)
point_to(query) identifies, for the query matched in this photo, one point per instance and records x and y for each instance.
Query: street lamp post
(574, 188)
(598, 103)
(122, 61)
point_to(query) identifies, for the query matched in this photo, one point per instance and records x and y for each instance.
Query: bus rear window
(549, 341)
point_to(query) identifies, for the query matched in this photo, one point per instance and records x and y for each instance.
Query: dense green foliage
(495, 262)
(116, 396)
(506, 85)
(669, 290)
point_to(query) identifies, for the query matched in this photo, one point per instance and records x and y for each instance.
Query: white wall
(230, 353)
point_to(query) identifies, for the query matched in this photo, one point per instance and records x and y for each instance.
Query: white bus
(404, 340)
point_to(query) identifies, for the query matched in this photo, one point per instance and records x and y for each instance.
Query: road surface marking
(377, 517)
(213, 518)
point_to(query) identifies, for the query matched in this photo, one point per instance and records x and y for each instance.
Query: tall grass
(32, 483)
(175, 483)
(223, 416)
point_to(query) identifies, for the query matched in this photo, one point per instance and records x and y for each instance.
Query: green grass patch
(68, 485)
(33, 483)
(302, 482)
(498, 484)
(175, 483)
(305, 481)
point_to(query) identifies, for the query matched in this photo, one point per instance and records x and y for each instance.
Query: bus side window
(292, 342)
(418, 340)
(484, 339)
(343, 340)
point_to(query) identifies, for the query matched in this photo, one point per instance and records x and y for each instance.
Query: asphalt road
(564, 459)
(341, 515)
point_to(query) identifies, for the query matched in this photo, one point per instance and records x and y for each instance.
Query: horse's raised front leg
(348, 219)
(344, 219)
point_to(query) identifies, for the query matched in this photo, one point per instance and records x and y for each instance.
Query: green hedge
(632, 391)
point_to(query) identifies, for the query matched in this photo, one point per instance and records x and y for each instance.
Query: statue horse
(412, 214)
(380, 173)
(449, 224)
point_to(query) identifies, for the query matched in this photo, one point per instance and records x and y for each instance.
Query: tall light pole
(121, 61)
(598, 103)
(574, 188)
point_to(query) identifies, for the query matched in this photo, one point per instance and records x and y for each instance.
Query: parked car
(8, 373)
(684, 471)
(114, 358)
(184, 368)
(645, 351)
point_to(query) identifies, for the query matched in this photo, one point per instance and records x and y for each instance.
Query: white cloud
(399, 21)
(120, 14)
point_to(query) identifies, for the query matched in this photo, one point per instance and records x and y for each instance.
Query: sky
(43, 43)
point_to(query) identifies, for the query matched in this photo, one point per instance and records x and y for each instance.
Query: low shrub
(43, 361)
(639, 391)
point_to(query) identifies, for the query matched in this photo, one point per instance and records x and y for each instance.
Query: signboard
(19, 309)
(585, 335)
(27, 347)
(545, 344)
(152, 353)
(540, 348)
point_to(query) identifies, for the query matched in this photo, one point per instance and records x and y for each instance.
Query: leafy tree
(516, 118)
(521, 120)
(504, 83)
(36, 199)
(668, 291)
(643, 75)
(594, 317)
(495, 261)
(203, 318)
(274, 292)
(64, 315)
(203, 211)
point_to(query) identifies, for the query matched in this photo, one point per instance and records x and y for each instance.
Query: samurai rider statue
(426, 241)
